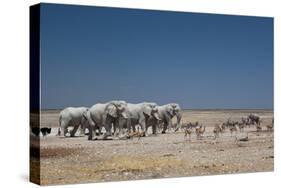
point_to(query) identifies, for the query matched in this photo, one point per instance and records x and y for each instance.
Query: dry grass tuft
(134, 164)
(58, 152)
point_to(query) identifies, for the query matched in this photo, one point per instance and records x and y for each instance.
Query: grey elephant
(105, 115)
(139, 115)
(166, 114)
(72, 117)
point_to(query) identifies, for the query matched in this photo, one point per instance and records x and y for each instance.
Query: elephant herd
(117, 117)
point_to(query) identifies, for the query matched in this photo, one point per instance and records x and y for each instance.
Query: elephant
(104, 115)
(166, 113)
(72, 117)
(254, 119)
(139, 115)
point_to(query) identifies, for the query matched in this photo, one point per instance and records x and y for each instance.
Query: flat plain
(77, 160)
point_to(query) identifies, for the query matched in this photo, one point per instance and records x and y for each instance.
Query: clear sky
(93, 54)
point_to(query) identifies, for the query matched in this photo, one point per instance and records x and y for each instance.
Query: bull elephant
(104, 115)
(166, 114)
(139, 115)
(72, 117)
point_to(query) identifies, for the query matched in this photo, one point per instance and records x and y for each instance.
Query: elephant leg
(83, 126)
(91, 125)
(74, 130)
(121, 127)
(129, 125)
(134, 128)
(82, 130)
(179, 116)
(153, 124)
(100, 130)
(154, 129)
(64, 131)
(169, 127)
(114, 129)
(95, 128)
(146, 127)
(90, 128)
(164, 128)
(59, 132)
(159, 127)
(107, 133)
(107, 126)
(166, 125)
(142, 123)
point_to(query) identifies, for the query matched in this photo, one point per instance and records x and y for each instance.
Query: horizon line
(193, 109)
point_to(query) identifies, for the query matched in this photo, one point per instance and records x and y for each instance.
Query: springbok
(200, 131)
(233, 129)
(188, 131)
(217, 130)
(258, 127)
(241, 126)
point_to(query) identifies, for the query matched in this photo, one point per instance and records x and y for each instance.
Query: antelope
(233, 129)
(258, 127)
(187, 131)
(200, 131)
(136, 134)
(269, 127)
(241, 126)
(223, 126)
(217, 130)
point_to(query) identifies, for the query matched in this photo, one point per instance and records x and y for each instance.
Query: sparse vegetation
(77, 160)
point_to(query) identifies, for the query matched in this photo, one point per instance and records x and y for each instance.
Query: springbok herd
(251, 120)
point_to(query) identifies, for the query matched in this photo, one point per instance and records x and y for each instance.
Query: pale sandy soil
(77, 160)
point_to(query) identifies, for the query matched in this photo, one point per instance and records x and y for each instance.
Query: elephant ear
(111, 110)
(147, 109)
(177, 108)
(170, 110)
(84, 114)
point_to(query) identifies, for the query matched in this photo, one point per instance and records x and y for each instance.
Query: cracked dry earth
(77, 160)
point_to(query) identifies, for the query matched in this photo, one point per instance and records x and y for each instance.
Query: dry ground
(77, 160)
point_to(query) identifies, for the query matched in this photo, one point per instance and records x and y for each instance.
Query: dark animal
(45, 131)
(255, 119)
(217, 130)
(241, 126)
(35, 131)
(230, 123)
(259, 128)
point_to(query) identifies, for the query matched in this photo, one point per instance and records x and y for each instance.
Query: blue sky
(94, 54)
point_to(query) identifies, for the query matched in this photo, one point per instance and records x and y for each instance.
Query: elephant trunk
(179, 116)
(124, 115)
(156, 115)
